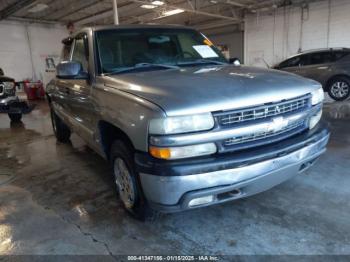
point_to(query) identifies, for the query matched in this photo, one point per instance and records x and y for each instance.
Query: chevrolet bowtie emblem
(277, 124)
(278, 109)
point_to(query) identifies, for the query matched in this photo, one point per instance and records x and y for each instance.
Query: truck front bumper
(170, 186)
(13, 105)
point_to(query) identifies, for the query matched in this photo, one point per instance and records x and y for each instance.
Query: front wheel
(60, 129)
(339, 88)
(15, 117)
(127, 182)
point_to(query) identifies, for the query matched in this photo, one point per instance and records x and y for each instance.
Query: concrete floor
(59, 199)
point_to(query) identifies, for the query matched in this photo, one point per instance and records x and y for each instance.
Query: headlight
(317, 96)
(315, 119)
(183, 151)
(9, 85)
(181, 124)
(9, 88)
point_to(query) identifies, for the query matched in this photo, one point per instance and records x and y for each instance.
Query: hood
(6, 79)
(212, 88)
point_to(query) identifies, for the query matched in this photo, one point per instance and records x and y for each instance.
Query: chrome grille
(226, 119)
(298, 125)
(267, 113)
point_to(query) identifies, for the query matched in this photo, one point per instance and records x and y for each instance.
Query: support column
(115, 12)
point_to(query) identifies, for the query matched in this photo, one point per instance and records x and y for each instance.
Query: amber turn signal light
(160, 152)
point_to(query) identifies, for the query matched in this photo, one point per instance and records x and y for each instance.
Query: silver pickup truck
(181, 126)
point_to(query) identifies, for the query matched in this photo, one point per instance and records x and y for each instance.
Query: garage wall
(24, 47)
(234, 41)
(276, 35)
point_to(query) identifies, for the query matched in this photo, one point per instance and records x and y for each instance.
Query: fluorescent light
(173, 12)
(148, 6)
(157, 2)
(38, 8)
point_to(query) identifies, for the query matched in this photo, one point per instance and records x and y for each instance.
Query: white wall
(276, 35)
(234, 41)
(20, 40)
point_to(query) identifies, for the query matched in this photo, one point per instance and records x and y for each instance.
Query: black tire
(60, 129)
(136, 205)
(339, 88)
(15, 117)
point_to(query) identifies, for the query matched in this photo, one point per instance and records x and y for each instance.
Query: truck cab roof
(69, 39)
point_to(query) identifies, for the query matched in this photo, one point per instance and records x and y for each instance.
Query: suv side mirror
(235, 61)
(71, 70)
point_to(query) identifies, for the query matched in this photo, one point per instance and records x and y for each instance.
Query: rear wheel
(60, 129)
(127, 182)
(339, 88)
(15, 117)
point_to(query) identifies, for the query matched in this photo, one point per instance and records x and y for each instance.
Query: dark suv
(330, 67)
(9, 102)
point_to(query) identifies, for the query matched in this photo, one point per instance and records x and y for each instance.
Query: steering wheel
(184, 53)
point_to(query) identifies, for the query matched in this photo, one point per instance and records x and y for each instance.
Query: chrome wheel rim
(340, 89)
(124, 183)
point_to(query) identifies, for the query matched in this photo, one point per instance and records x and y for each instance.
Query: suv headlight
(181, 124)
(317, 96)
(9, 87)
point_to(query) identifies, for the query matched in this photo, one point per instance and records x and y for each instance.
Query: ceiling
(206, 15)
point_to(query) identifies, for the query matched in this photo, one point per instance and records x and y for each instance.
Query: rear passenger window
(321, 58)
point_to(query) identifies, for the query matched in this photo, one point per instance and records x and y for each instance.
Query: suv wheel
(127, 182)
(339, 88)
(60, 129)
(15, 117)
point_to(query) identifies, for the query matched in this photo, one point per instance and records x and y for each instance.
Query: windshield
(121, 49)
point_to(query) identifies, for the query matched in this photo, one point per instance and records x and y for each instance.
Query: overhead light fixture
(157, 3)
(213, 1)
(148, 6)
(38, 8)
(173, 12)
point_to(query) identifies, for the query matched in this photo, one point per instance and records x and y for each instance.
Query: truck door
(60, 97)
(80, 104)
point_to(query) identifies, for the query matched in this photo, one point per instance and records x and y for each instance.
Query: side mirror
(70, 70)
(235, 61)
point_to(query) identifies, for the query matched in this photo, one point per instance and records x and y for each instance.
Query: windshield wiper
(202, 61)
(140, 66)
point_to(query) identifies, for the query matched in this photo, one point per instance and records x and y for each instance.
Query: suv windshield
(125, 49)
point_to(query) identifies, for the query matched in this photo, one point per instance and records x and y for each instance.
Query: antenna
(267, 65)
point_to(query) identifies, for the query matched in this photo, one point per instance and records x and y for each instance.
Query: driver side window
(300, 60)
(80, 52)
